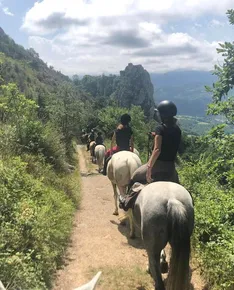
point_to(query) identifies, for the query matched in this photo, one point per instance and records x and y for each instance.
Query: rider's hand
(148, 174)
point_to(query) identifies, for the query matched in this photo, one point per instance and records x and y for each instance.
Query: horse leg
(122, 192)
(154, 268)
(163, 262)
(154, 241)
(116, 212)
(131, 224)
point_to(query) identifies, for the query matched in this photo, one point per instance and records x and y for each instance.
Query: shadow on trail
(88, 174)
(125, 231)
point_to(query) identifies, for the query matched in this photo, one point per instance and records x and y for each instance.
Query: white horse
(91, 149)
(100, 154)
(91, 285)
(136, 152)
(164, 213)
(1, 286)
(119, 170)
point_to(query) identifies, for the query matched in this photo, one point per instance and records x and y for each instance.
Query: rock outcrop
(135, 88)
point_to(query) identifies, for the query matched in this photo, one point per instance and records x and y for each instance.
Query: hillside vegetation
(42, 113)
(39, 189)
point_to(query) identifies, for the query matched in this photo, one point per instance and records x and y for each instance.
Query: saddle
(129, 200)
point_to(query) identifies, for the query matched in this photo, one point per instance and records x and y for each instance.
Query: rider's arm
(132, 143)
(113, 141)
(156, 151)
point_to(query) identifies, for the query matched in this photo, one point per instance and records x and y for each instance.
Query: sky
(103, 36)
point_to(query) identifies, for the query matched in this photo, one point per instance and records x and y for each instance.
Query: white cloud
(79, 11)
(216, 23)
(169, 52)
(103, 36)
(7, 12)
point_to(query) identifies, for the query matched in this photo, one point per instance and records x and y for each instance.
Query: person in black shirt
(161, 164)
(91, 137)
(99, 140)
(123, 137)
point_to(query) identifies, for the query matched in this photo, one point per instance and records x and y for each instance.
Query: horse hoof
(148, 271)
(164, 267)
(123, 223)
(115, 213)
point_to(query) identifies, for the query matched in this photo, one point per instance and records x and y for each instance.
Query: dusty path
(98, 242)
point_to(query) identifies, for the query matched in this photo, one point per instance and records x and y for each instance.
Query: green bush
(213, 237)
(8, 140)
(36, 220)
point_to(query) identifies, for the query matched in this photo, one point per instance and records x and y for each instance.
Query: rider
(161, 164)
(99, 140)
(123, 137)
(90, 138)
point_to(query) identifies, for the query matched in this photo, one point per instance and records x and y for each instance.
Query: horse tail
(100, 154)
(179, 238)
(97, 153)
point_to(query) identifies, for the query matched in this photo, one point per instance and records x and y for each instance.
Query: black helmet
(125, 119)
(167, 109)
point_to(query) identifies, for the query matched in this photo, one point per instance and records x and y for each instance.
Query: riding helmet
(125, 119)
(167, 109)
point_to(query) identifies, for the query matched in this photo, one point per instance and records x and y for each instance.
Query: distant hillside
(55, 94)
(24, 67)
(201, 125)
(186, 89)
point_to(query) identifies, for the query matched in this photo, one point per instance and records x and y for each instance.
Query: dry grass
(91, 168)
(122, 278)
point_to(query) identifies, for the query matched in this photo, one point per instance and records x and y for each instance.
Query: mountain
(24, 67)
(132, 87)
(186, 89)
(135, 88)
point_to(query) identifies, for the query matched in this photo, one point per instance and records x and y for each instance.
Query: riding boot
(107, 159)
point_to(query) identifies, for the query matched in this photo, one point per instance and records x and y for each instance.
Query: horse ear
(91, 284)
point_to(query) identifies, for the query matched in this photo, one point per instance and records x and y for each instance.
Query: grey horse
(164, 213)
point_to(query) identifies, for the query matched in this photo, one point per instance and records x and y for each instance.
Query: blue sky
(103, 36)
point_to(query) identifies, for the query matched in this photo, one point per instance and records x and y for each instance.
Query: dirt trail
(98, 242)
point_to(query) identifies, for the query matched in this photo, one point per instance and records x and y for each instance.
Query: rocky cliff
(135, 88)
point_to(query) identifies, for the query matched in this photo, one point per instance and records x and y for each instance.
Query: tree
(223, 102)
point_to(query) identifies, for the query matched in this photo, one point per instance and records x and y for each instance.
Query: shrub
(36, 219)
(213, 237)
